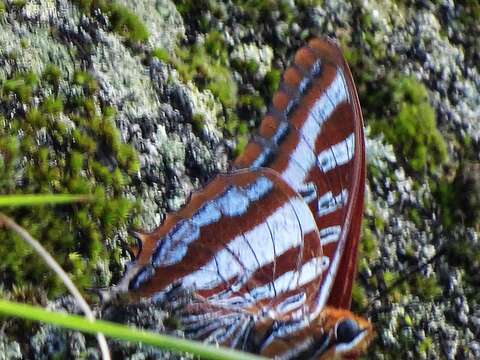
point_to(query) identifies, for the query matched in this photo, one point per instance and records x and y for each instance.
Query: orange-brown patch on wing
(268, 127)
(291, 260)
(327, 49)
(332, 219)
(280, 100)
(251, 152)
(305, 58)
(215, 187)
(292, 77)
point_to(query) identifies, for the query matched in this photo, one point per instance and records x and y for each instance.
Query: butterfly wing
(313, 138)
(245, 245)
(246, 242)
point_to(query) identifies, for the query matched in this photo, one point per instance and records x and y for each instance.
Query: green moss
(242, 142)
(308, 4)
(52, 106)
(263, 10)
(23, 43)
(119, 180)
(22, 85)
(36, 118)
(73, 233)
(413, 130)
(425, 345)
(208, 64)
(52, 74)
(185, 7)
(427, 288)
(2, 6)
(122, 20)
(90, 108)
(447, 196)
(232, 123)
(252, 66)
(208, 72)
(255, 102)
(200, 13)
(128, 159)
(459, 199)
(215, 46)
(389, 278)
(76, 163)
(19, 3)
(242, 128)
(101, 173)
(407, 320)
(399, 290)
(86, 80)
(368, 244)
(198, 122)
(272, 81)
(359, 298)
(467, 185)
(249, 66)
(126, 23)
(160, 54)
(469, 13)
(415, 217)
(461, 254)
(84, 142)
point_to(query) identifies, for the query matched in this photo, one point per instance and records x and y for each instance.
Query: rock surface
(187, 96)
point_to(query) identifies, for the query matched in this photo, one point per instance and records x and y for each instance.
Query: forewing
(313, 137)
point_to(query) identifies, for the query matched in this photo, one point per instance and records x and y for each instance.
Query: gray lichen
(9, 349)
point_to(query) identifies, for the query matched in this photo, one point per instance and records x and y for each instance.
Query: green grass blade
(41, 199)
(121, 332)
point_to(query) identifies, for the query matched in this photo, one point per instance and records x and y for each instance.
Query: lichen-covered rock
(52, 342)
(9, 350)
(164, 23)
(184, 83)
(260, 58)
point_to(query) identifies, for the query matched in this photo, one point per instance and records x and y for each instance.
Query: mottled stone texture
(187, 97)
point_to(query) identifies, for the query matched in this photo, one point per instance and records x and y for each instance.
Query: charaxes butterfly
(269, 249)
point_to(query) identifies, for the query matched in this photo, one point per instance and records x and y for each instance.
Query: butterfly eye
(347, 330)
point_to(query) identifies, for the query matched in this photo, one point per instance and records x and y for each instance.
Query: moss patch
(52, 144)
(459, 199)
(122, 20)
(412, 128)
(207, 66)
(264, 10)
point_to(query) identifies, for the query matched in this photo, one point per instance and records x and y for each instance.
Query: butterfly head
(346, 335)
(334, 334)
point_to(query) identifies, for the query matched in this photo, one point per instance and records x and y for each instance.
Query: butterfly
(268, 250)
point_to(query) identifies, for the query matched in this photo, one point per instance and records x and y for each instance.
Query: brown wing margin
(272, 146)
(341, 293)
